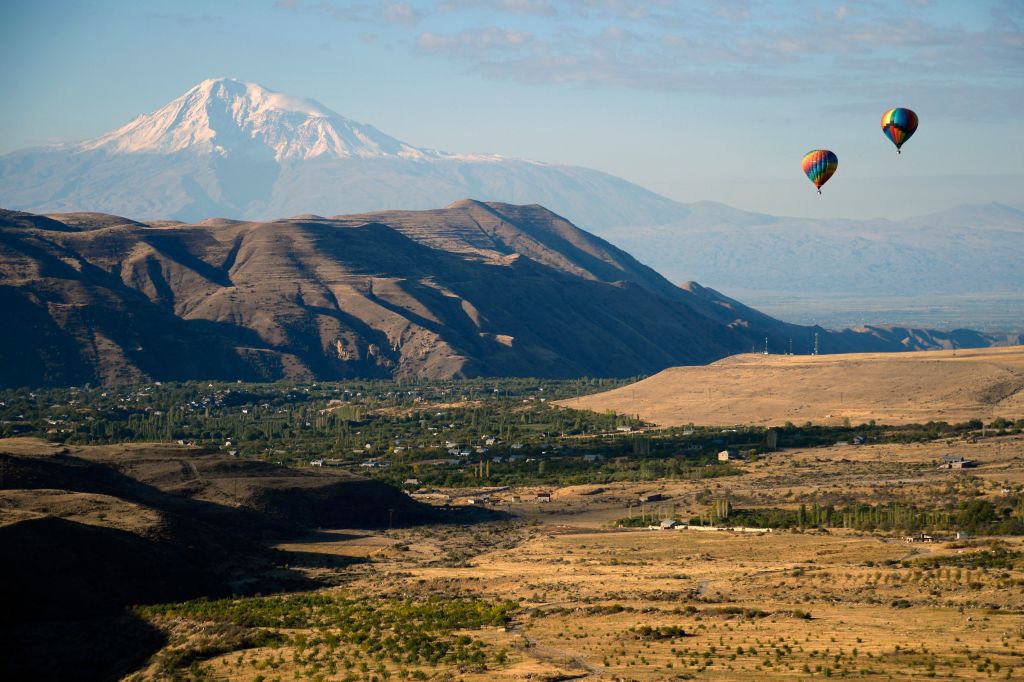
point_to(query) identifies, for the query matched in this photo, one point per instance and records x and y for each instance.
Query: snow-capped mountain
(238, 150)
(221, 114)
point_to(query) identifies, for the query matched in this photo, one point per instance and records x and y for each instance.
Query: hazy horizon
(715, 101)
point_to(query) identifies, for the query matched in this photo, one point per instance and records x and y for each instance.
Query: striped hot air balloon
(898, 125)
(819, 166)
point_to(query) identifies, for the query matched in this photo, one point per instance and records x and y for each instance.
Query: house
(411, 481)
(592, 458)
(729, 455)
(316, 462)
(956, 462)
(544, 497)
(667, 524)
(650, 497)
(859, 440)
(624, 429)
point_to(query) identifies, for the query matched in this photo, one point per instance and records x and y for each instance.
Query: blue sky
(695, 100)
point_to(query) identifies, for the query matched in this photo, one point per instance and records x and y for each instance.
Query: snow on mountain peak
(227, 116)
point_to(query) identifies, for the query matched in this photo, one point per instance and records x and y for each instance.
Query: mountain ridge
(474, 289)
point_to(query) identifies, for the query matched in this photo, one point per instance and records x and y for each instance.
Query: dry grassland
(613, 604)
(745, 606)
(891, 388)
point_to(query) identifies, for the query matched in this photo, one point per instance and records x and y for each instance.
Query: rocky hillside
(473, 289)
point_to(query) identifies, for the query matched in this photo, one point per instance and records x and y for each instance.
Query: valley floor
(596, 602)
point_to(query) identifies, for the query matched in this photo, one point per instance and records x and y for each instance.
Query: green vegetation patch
(406, 631)
(998, 556)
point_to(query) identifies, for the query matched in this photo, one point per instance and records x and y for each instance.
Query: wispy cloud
(734, 48)
(543, 8)
(737, 47)
(402, 13)
(193, 20)
(477, 44)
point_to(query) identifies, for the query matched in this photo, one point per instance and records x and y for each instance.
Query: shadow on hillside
(67, 594)
(96, 650)
(300, 559)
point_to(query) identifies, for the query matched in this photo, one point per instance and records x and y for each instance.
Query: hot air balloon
(819, 166)
(898, 125)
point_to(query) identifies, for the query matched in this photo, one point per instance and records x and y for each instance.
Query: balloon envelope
(898, 125)
(819, 166)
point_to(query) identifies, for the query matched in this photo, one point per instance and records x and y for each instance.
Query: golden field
(891, 388)
(596, 602)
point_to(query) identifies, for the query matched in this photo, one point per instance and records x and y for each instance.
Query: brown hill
(952, 386)
(472, 289)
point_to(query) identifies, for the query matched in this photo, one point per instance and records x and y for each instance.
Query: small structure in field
(667, 524)
(729, 455)
(956, 462)
(544, 497)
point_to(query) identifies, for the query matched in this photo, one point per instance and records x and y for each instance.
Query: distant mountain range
(475, 289)
(237, 150)
(968, 249)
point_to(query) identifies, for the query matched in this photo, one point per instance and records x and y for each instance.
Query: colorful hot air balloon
(819, 166)
(898, 125)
